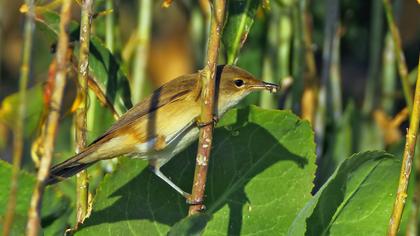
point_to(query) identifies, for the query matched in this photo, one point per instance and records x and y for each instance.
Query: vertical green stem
(285, 34)
(19, 125)
(388, 75)
(109, 26)
(140, 60)
(324, 101)
(309, 97)
(335, 78)
(82, 186)
(376, 25)
(268, 72)
(34, 213)
(298, 66)
(402, 67)
(409, 151)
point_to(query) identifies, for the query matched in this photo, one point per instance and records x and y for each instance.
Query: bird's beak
(273, 88)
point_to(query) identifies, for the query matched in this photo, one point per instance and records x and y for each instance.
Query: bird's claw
(214, 121)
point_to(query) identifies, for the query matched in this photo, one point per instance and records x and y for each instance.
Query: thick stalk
(82, 186)
(309, 97)
(298, 63)
(285, 37)
(19, 125)
(52, 122)
(142, 51)
(402, 66)
(208, 75)
(324, 103)
(388, 76)
(410, 144)
(376, 25)
(268, 72)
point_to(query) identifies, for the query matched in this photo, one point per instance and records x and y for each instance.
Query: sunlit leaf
(260, 176)
(54, 207)
(356, 200)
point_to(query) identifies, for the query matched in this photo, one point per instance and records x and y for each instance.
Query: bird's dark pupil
(239, 82)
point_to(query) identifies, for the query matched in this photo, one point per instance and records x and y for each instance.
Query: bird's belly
(178, 144)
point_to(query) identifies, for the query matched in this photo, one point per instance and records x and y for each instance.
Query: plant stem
(324, 104)
(407, 161)
(82, 186)
(402, 67)
(208, 75)
(388, 75)
(142, 51)
(109, 26)
(52, 122)
(335, 78)
(375, 46)
(298, 64)
(19, 125)
(309, 96)
(268, 72)
(284, 46)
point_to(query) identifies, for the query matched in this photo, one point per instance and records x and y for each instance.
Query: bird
(164, 123)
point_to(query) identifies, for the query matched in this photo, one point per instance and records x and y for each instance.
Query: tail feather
(66, 169)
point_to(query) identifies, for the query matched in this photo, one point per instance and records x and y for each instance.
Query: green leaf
(53, 207)
(103, 66)
(356, 200)
(241, 14)
(260, 176)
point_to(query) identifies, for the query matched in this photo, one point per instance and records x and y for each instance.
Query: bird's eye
(239, 83)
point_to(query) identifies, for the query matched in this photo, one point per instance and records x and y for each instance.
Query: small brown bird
(163, 124)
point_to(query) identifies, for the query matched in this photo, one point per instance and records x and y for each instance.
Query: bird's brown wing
(184, 87)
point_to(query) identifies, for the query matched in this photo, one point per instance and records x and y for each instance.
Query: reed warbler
(163, 124)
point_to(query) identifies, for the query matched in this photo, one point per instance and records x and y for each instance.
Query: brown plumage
(163, 124)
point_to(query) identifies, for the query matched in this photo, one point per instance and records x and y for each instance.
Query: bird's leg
(200, 124)
(159, 173)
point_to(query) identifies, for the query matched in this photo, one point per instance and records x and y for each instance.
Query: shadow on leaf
(135, 196)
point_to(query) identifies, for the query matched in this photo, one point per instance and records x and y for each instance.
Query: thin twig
(19, 125)
(208, 75)
(407, 161)
(143, 36)
(402, 66)
(82, 186)
(52, 122)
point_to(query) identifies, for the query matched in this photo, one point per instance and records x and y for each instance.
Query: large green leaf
(54, 207)
(356, 200)
(240, 17)
(103, 66)
(260, 176)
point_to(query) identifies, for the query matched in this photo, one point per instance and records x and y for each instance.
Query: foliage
(267, 176)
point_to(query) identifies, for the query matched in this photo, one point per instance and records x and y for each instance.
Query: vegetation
(332, 153)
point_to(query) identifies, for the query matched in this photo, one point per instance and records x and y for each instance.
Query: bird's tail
(67, 169)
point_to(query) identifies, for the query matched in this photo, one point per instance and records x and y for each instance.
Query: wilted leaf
(260, 176)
